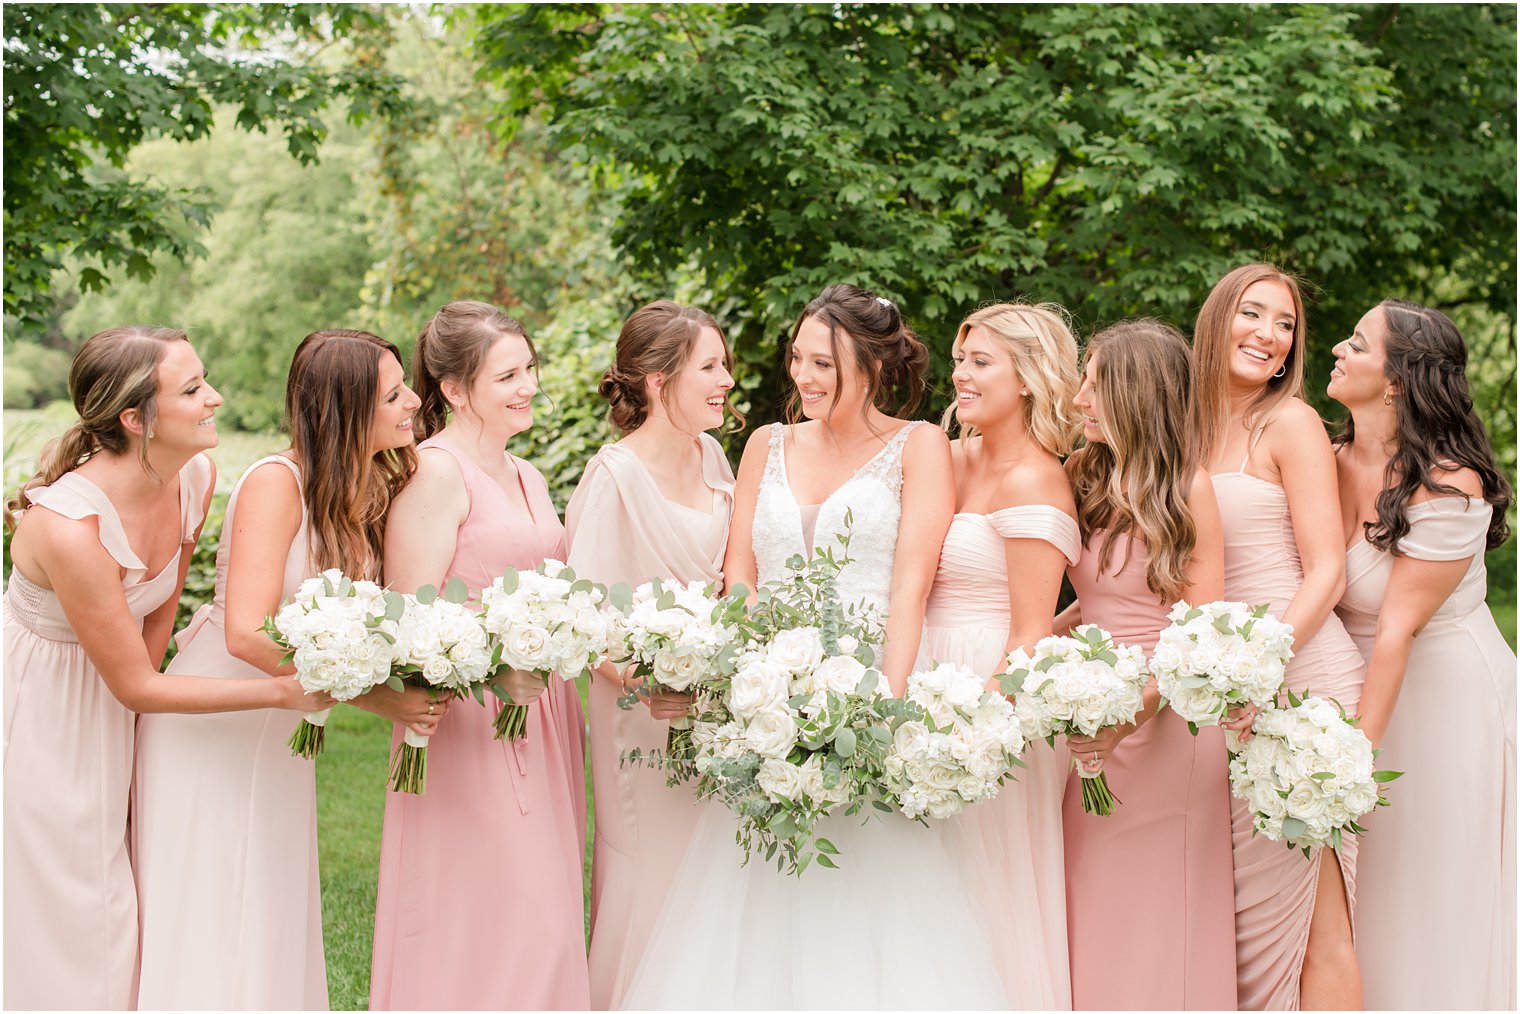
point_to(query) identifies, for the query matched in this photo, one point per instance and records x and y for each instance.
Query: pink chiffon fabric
(1011, 845)
(1435, 921)
(1149, 888)
(70, 899)
(224, 833)
(622, 529)
(480, 904)
(1275, 885)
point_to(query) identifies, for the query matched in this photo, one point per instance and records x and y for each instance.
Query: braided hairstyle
(657, 338)
(112, 372)
(888, 354)
(1435, 425)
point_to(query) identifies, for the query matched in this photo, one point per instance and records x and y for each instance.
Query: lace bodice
(873, 499)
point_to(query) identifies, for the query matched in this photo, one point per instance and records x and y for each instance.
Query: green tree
(1115, 159)
(85, 84)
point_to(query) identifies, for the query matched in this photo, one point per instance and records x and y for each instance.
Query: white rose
(780, 779)
(771, 733)
(524, 647)
(841, 674)
(758, 685)
(798, 650)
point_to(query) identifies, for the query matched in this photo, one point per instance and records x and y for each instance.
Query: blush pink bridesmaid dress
(1149, 888)
(70, 901)
(1011, 845)
(1435, 914)
(480, 904)
(622, 529)
(1275, 885)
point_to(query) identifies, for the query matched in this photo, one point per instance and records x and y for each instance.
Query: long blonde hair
(1211, 357)
(1137, 480)
(112, 372)
(1038, 338)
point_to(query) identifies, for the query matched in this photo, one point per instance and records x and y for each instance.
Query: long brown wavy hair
(1434, 423)
(1137, 480)
(330, 401)
(112, 372)
(1211, 357)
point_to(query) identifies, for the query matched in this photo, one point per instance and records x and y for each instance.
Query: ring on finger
(430, 707)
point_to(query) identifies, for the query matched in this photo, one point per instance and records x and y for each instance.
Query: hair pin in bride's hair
(884, 302)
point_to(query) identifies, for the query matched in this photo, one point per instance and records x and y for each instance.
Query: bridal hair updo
(657, 338)
(330, 399)
(889, 357)
(112, 372)
(1435, 426)
(1136, 481)
(1212, 352)
(1039, 340)
(452, 347)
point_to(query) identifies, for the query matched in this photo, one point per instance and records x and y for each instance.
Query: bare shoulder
(269, 482)
(927, 440)
(1037, 481)
(1294, 421)
(1448, 474)
(1201, 491)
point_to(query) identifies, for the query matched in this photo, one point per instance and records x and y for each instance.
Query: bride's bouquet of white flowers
(1078, 685)
(959, 748)
(1307, 774)
(441, 645)
(684, 639)
(341, 635)
(1220, 655)
(544, 621)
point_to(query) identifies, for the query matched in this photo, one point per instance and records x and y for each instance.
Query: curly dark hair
(1435, 425)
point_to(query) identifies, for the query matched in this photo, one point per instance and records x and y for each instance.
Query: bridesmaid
(505, 929)
(224, 819)
(1274, 475)
(100, 557)
(656, 504)
(996, 587)
(1424, 499)
(1149, 911)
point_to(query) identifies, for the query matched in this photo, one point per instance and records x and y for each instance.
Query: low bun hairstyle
(657, 338)
(1435, 425)
(451, 347)
(1044, 351)
(112, 372)
(888, 354)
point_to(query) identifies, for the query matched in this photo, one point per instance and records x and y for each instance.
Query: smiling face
(694, 397)
(1261, 333)
(501, 395)
(820, 377)
(1358, 377)
(987, 387)
(391, 425)
(185, 407)
(1089, 404)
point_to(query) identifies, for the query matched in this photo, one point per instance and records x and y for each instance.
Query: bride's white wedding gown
(896, 925)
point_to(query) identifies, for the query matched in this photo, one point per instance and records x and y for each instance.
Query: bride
(895, 926)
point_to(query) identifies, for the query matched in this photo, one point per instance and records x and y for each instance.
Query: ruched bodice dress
(224, 832)
(621, 528)
(480, 903)
(70, 903)
(1149, 888)
(1274, 885)
(1011, 844)
(1435, 914)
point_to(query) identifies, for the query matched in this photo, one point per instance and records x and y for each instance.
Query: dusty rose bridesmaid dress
(224, 834)
(1011, 845)
(1435, 914)
(622, 529)
(70, 902)
(480, 903)
(1275, 885)
(1149, 888)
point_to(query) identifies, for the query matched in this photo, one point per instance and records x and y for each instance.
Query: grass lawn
(350, 810)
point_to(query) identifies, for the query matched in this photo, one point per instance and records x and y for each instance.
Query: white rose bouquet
(1307, 774)
(441, 645)
(545, 621)
(1078, 685)
(960, 750)
(341, 635)
(1220, 655)
(680, 638)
